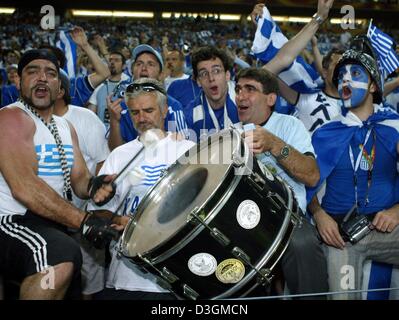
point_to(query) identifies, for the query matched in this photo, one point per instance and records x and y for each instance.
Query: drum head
(188, 184)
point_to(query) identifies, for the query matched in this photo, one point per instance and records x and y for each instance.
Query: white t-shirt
(123, 274)
(293, 132)
(316, 109)
(48, 160)
(91, 136)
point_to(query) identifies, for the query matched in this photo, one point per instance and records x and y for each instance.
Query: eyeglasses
(146, 86)
(214, 71)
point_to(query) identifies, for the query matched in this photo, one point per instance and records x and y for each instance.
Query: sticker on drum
(230, 271)
(248, 214)
(202, 264)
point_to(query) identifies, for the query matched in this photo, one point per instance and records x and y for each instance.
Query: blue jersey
(340, 189)
(9, 94)
(81, 90)
(184, 91)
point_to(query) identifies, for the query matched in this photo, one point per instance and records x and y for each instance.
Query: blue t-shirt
(80, 90)
(9, 94)
(174, 121)
(184, 91)
(340, 190)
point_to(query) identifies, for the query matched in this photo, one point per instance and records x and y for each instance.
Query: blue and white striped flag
(300, 76)
(385, 49)
(378, 276)
(67, 45)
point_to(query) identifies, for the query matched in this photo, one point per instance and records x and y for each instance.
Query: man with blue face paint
(353, 84)
(357, 155)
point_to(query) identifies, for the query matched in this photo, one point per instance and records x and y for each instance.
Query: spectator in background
(175, 65)
(110, 87)
(12, 75)
(147, 63)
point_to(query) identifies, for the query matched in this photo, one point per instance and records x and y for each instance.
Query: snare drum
(215, 224)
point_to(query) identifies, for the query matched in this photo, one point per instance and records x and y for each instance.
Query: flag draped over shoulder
(332, 139)
(300, 76)
(66, 44)
(385, 50)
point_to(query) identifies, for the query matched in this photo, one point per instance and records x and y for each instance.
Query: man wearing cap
(40, 165)
(147, 63)
(147, 103)
(357, 156)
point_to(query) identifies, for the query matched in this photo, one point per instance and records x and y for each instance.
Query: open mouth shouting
(346, 92)
(214, 90)
(41, 91)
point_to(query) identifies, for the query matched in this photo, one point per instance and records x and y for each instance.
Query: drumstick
(148, 139)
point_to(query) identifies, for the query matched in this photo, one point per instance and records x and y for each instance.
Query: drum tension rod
(263, 274)
(164, 273)
(190, 292)
(167, 278)
(215, 233)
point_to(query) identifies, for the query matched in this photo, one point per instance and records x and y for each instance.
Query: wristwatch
(284, 153)
(318, 18)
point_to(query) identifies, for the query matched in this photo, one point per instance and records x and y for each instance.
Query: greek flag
(385, 49)
(300, 76)
(378, 275)
(66, 44)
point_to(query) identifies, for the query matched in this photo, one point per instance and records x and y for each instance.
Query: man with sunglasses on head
(147, 63)
(147, 104)
(214, 109)
(283, 145)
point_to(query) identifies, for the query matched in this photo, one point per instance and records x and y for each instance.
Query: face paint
(353, 84)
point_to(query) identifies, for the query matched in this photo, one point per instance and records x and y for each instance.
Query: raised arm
(291, 49)
(102, 71)
(390, 86)
(318, 58)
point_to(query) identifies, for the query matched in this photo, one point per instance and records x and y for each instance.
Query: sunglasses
(146, 86)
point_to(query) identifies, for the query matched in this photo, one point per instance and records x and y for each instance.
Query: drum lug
(165, 273)
(196, 216)
(239, 253)
(163, 172)
(168, 275)
(296, 219)
(272, 195)
(215, 233)
(220, 237)
(237, 161)
(264, 277)
(190, 293)
(256, 180)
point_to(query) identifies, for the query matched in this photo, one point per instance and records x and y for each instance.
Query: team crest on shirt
(364, 163)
